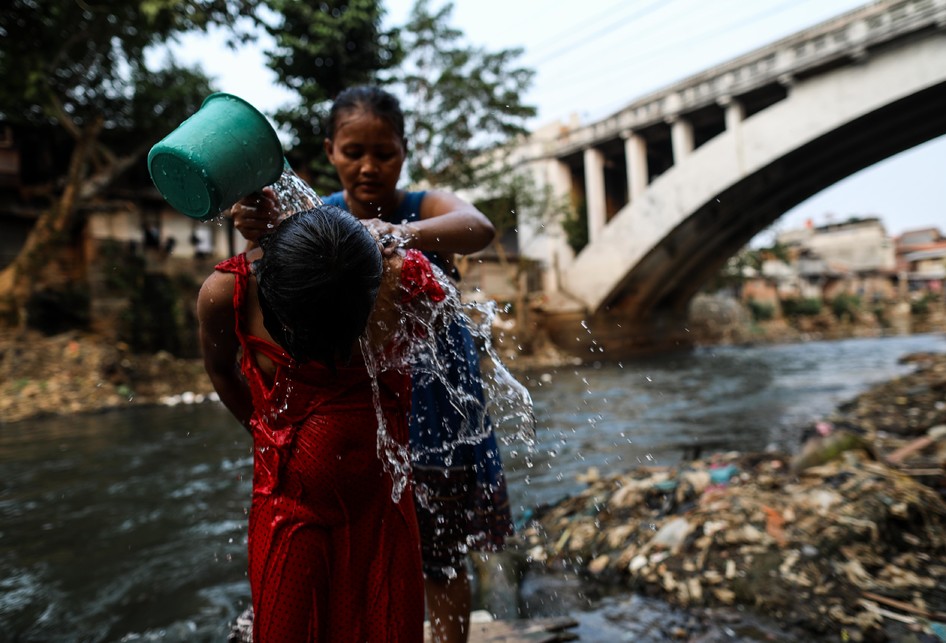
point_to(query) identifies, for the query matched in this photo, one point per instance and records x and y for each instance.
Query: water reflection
(131, 526)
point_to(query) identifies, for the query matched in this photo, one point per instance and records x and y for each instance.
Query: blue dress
(461, 489)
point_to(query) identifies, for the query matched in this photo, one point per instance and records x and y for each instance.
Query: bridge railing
(850, 35)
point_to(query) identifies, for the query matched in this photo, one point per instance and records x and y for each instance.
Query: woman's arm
(447, 225)
(220, 345)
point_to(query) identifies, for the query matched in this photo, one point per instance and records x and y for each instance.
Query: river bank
(76, 372)
(844, 539)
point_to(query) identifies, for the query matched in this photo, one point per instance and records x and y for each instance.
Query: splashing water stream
(427, 352)
(295, 195)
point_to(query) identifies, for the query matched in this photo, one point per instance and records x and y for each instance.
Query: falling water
(427, 352)
(426, 348)
(295, 195)
(508, 401)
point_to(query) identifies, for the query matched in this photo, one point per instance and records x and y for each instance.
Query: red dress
(331, 556)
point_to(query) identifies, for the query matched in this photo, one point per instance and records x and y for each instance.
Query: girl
(288, 332)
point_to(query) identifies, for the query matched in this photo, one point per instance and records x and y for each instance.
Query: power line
(573, 29)
(583, 77)
(650, 35)
(607, 29)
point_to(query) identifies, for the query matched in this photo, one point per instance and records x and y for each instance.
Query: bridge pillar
(681, 137)
(595, 198)
(735, 112)
(635, 153)
(613, 335)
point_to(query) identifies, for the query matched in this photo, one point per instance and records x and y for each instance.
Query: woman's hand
(391, 236)
(256, 215)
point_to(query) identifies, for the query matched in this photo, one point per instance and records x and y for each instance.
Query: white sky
(593, 57)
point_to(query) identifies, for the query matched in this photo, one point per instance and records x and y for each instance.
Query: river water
(130, 525)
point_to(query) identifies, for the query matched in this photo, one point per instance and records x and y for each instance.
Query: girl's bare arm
(220, 345)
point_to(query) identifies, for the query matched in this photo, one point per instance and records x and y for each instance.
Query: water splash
(508, 402)
(395, 456)
(428, 343)
(505, 404)
(431, 345)
(295, 195)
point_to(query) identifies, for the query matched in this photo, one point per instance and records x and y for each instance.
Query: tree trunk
(17, 279)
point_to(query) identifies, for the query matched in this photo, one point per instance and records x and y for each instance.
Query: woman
(460, 485)
(288, 332)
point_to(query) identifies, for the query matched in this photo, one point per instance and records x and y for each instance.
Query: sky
(594, 57)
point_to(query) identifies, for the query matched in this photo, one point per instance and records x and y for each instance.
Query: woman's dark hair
(371, 99)
(317, 281)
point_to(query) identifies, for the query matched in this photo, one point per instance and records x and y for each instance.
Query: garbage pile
(846, 539)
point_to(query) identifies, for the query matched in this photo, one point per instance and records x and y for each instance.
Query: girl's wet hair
(318, 280)
(373, 100)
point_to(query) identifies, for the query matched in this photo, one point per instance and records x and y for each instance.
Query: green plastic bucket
(223, 152)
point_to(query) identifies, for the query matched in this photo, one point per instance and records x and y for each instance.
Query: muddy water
(130, 526)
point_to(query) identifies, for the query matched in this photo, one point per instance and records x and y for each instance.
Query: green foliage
(921, 305)
(575, 226)
(761, 311)
(777, 251)
(69, 63)
(460, 101)
(320, 49)
(325, 47)
(743, 265)
(846, 306)
(76, 80)
(801, 307)
(161, 101)
(77, 71)
(516, 198)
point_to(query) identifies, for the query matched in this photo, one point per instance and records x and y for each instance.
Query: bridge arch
(713, 160)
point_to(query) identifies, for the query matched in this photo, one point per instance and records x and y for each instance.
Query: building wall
(168, 225)
(857, 246)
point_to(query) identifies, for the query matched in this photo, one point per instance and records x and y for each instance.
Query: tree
(77, 70)
(514, 198)
(462, 102)
(320, 49)
(747, 262)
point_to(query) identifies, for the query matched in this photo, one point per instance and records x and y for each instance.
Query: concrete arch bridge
(677, 182)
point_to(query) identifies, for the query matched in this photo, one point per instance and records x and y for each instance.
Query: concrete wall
(858, 247)
(129, 227)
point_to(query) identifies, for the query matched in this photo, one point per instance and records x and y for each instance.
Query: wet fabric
(331, 556)
(463, 484)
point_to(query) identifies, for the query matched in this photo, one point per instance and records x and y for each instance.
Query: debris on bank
(845, 539)
(76, 372)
